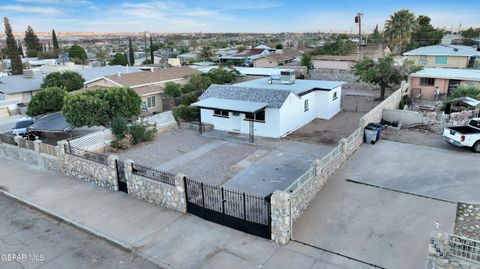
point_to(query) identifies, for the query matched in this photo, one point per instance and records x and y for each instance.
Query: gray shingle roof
(274, 98)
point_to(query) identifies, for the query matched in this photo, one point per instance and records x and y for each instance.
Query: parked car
(20, 128)
(464, 136)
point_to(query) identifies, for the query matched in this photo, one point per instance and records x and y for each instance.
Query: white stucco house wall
(276, 107)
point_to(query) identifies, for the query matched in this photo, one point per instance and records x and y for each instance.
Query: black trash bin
(373, 132)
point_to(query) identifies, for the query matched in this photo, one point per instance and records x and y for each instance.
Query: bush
(185, 113)
(46, 101)
(188, 99)
(173, 89)
(67, 80)
(119, 127)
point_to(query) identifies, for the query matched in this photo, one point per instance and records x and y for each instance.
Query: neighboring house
(245, 57)
(23, 87)
(150, 85)
(188, 57)
(452, 56)
(345, 62)
(427, 82)
(270, 108)
(278, 58)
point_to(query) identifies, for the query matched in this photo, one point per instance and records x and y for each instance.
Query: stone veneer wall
(288, 207)
(352, 82)
(435, 261)
(89, 171)
(31, 157)
(156, 192)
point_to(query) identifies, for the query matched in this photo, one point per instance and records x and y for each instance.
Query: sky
(227, 15)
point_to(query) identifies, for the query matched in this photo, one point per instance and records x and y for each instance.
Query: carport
(222, 107)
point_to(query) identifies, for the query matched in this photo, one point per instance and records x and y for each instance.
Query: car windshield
(23, 124)
(475, 123)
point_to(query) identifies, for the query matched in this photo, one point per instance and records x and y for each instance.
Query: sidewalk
(167, 238)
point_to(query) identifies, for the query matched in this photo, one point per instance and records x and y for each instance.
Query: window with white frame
(259, 116)
(423, 59)
(305, 105)
(151, 102)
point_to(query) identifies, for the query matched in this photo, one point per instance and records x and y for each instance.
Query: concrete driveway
(385, 219)
(439, 173)
(7, 123)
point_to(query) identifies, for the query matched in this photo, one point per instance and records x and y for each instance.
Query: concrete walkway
(167, 238)
(189, 156)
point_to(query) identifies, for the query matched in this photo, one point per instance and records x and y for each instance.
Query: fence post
(112, 165)
(36, 145)
(181, 195)
(128, 174)
(281, 217)
(244, 208)
(203, 195)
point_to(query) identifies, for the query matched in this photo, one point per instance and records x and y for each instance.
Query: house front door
(236, 122)
(452, 85)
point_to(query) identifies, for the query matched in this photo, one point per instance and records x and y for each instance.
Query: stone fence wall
(352, 82)
(33, 157)
(156, 192)
(375, 115)
(287, 207)
(408, 117)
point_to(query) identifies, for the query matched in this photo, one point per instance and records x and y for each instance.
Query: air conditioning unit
(287, 77)
(28, 74)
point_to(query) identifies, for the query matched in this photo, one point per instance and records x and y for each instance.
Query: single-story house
(435, 83)
(245, 57)
(269, 107)
(22, 87)
(150, 85)
(451, 56)
(278, 58)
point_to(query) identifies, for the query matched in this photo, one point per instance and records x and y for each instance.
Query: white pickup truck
(464, 136)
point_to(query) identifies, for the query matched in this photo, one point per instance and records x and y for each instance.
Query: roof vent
(118, 74)
(287, 77)
(28, 74)
(455, 49)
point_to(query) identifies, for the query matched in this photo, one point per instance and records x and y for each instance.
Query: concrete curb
(68, 221)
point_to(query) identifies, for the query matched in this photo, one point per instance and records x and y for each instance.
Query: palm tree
(399, 29)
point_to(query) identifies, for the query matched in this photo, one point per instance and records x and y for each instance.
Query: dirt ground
(327, 132)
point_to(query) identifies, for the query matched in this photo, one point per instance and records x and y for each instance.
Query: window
(427, 81)
(259, 116)
(151, 102)
(220, 113)
(305, 105)
(423, 59)
(334, 96)
(441, 59)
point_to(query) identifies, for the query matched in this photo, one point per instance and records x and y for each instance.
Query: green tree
(47, 100)
(173, 89)
(384, 72)
(67, 80)
(425, 34)
(376, 36)
(20, 49)
(206, 53)
(131, 52)
(77, 54)
(197, 82)
(12, 49)
(119, 59)
(56, 47)
(399, 29)
(152, 56)
(465, 91)
(471, 33)
(341, 45)
(222, 75)
(307, 60)
(99, 107)
(32, 42)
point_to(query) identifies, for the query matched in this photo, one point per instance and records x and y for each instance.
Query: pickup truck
(464, 136)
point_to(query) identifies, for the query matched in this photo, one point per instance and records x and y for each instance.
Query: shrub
(68, 80)
(173, 89)
(188, 99)
(185, 113)
(119, 127)
(127, 136)
(46, 101)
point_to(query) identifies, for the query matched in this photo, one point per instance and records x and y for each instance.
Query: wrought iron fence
(464, 248)
(88, 155)
(148, 172)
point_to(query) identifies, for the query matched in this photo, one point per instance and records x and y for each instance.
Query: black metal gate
(122, 180)
(244, 212)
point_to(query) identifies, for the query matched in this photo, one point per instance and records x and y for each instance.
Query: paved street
(52, 244)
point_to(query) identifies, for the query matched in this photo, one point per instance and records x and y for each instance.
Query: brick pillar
(280, 210)
(181, 192)
(112, 165)
(36, 145)
(128, 175)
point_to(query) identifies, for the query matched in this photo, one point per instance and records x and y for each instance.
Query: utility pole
(358, 20)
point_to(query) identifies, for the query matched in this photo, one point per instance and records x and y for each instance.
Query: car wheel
(476, 147)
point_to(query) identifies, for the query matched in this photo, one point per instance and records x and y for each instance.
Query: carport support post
(280, 212)
(200, 122)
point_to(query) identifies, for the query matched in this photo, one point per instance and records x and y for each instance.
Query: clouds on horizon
(221, 15)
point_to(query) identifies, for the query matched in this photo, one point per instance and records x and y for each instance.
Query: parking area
(381, 206)
(222, 159)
